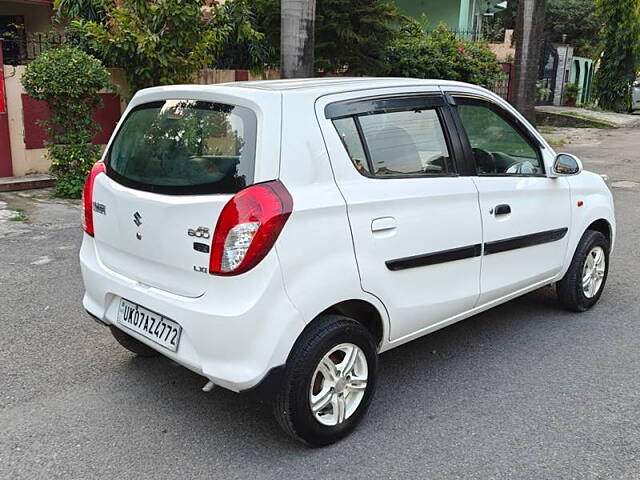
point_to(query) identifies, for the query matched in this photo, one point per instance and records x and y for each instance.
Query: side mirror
(565, 165)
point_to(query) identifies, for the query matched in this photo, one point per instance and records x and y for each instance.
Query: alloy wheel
(593, 272)
(338, 384)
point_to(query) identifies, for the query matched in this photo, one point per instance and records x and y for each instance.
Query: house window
(14, 39)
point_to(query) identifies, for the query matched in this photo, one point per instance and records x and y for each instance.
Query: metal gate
(504, 86)
(547, 74)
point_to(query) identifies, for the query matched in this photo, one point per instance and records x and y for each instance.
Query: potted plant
(571, 92)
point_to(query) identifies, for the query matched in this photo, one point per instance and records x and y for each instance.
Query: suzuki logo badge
(137, 219)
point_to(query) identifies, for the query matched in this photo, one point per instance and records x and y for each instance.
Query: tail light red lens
(87, 197)
(248, 227)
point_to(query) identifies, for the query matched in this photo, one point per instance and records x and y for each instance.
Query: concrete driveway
(524, 391)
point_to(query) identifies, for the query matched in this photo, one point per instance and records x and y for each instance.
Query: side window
(409, 143)
(351, 139)
(498, 147)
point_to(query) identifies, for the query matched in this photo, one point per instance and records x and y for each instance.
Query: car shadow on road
(423, 376)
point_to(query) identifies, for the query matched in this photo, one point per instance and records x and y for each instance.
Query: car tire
(580, 290)
(348, 346)
(133, 345)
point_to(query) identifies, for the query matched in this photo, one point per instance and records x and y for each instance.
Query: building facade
(464, 16)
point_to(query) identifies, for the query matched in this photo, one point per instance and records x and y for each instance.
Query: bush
(163, 42)
(68, 80)
(620, 36)
(440, 55)
(571, 92)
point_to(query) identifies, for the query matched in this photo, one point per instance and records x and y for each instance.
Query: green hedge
(440, 55)
(68, 80)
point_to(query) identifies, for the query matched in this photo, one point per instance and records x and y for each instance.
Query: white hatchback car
(282, 234)
(635, 96)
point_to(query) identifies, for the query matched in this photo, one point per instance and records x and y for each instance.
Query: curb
(13, 184)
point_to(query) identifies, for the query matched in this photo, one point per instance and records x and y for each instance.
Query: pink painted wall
(35, 111)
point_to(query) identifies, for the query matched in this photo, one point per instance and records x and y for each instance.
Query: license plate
(149, 324)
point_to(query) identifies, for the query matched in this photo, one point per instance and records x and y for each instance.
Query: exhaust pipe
(209, 386)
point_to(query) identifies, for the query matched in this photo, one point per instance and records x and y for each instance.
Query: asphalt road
(524, 391)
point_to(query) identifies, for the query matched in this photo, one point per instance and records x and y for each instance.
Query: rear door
(525, 214)
(415, 222)
(171, 168)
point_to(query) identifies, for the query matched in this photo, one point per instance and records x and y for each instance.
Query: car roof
(327, 85)
(314, 87)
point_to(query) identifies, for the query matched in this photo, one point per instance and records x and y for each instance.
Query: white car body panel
(597, 199)
(417, 210)
(162, 258)
(538, 204)
(316, 245)
(236, 329)
(234, 343)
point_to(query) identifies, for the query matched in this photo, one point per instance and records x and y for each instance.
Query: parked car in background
(283, 234)
(635, 96)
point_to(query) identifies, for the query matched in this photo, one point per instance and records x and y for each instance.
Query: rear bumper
(233, 336)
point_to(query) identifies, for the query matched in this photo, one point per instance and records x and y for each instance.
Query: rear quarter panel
(315, 248)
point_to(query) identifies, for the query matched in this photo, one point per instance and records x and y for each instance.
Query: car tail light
(248, 227)
(87, 197)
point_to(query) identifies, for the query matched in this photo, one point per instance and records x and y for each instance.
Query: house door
(6, 169)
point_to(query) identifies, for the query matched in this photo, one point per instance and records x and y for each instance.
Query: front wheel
(329, 381)
(582, 285)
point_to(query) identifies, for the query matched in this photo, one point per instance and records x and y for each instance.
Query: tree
(267, 18)
(68, 80)
(156, 43)
(528, 39)
(77, 9)
(297, 36)
(243, 47)
(620, 37)
(577, 20)
(439, 54)
(350, 37)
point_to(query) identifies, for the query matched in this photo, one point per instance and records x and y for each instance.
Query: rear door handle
(382, 224)
(502, 209)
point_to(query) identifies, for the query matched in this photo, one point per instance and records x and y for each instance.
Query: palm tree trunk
(296, 39)
(529, 41)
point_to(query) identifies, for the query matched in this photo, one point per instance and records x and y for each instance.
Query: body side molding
(524, 241)
(471, 251)
(435, 258)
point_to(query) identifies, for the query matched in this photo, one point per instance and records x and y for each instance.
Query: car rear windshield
(185, 147)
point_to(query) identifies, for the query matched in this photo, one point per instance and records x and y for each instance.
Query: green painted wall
(582, 74)
(447, 11)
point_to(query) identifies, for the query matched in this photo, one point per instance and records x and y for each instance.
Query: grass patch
(571, 119)
(19, 216)
(553, 135)
(591, 118)
(556, 142)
